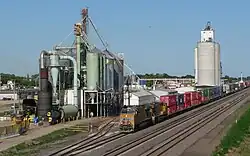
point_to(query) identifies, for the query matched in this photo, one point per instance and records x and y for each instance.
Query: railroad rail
(162, 148)
(86, 141)
(197, 119)
(175, 131)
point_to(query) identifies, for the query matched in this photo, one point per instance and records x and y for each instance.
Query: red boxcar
(194, 98)
(170, 100)
(199, 98)
(187, 99)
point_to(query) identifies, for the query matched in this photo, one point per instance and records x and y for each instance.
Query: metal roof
(159, 93)
(96, 50)
(108, 54)
(142, 93)
(184, 89)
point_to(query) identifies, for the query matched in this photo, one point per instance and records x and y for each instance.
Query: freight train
(133, 117)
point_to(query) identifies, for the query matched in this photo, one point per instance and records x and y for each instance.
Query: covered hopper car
(132, 117)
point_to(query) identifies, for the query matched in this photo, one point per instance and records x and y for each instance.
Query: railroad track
(86, 141)
(181, 132)
(162, 148)
(96, 142)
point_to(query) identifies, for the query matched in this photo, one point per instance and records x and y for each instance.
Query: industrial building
(77, 80)
(138, 98)
(207, 59)
(8, 95)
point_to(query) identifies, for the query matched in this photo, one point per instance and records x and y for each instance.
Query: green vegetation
(32, 80)
(21, 81)
(236, 134)
(34, 146)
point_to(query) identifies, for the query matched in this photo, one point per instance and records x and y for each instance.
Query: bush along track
(33, 147)
(236, 134)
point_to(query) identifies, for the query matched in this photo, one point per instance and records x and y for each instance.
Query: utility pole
(14, 92)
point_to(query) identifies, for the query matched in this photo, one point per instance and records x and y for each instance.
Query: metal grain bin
(92, 70)
(109, 71)
(102, 72)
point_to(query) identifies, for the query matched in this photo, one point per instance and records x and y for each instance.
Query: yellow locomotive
(132, 117)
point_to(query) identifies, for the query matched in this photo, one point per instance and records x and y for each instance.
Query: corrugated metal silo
(206, 64)
(217, 64)
(92, 70)
(118, 68)
(121, 73)
(109, 71)
(102, 71)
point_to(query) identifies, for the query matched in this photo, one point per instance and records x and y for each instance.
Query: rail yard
(82, 82)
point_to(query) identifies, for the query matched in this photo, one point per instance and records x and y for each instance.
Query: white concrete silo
(208, 59)
(196, 65)
(217, 64)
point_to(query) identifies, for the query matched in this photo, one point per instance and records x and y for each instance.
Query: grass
(236, 134)
(34, 146)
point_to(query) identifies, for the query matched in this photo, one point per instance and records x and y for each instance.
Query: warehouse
(138, 98)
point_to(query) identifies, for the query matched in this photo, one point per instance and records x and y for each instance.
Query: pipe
(78, 53)
(75, 77)
(43, 52)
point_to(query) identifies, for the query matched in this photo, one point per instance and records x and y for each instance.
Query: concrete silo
(207, 61)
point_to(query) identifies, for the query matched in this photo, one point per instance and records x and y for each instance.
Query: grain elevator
(207, 59)
(79, 80)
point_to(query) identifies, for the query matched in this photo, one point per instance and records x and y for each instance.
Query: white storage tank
(206, 64)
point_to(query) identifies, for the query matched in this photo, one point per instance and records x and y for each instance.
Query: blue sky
(155, 36)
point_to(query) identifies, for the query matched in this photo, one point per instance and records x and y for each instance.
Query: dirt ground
(209, 142)
(66, 141)
(5, 123)
(37, 131)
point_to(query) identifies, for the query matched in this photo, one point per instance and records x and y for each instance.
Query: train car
(187, 99)
(152, 112)
(180, 102)
(128, 119)
(141, 111)
(134, 117)
(171, 103)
